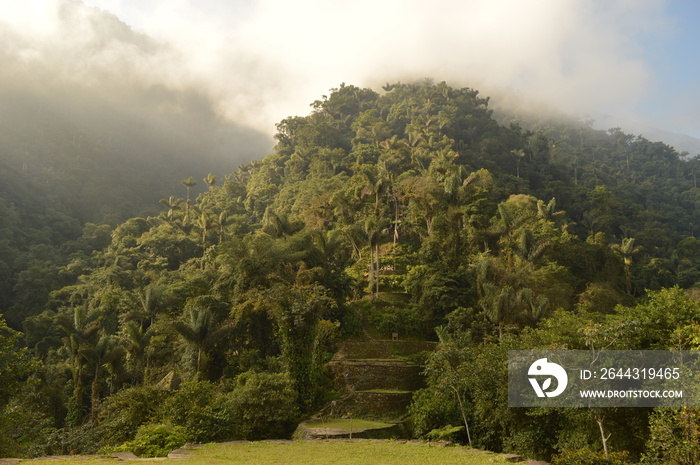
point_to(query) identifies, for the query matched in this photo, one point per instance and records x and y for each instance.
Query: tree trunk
(396, 228)
(146, 370)
(377, 276)
(371, 272)
(464, 415)
(95, 397)
(603, 437)
(78, 384)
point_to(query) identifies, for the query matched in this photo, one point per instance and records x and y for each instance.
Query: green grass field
(346, 424)
(372, 452)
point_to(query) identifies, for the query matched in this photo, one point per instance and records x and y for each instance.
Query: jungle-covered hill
(73, 156)
(407, 209)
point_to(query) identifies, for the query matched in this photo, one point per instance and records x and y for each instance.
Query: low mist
(92, 114)
(88, 71)
(259, 61)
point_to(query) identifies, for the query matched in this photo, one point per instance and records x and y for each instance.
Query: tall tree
(173, 205)
(189, 183)
(210, 180)
(80, 329)
(299, 312)
(201, 330)
(106, 357)
(136, 342)
(626, 250)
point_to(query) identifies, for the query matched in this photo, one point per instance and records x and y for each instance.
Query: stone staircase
(376, 380)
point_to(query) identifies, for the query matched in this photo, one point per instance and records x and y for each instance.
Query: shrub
(155, 441)
(123, 413)
(674, 437)
(193, 407)
(431, 409)
(84, 439)
(589, 457)
(387, 318)
(265, 404)
(21, 430)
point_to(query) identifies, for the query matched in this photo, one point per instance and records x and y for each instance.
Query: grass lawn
(372, 452)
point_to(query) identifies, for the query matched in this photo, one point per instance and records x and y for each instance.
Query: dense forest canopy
(407, 209)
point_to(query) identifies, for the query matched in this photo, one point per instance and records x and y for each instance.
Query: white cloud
(264, 60)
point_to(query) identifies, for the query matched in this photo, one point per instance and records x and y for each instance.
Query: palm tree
(387, 174)
(173, 205)
(357, 237)
(151, 298)
(498, 304)
(519, 155)
(201, 332)
(80, 328)
(105, 356)
(329, 244)
(277, 225)
(548, 211)
(530, 248)
(509, 224)
(135, 342)
(591, 222)
(504, 305)
(371, 235)
(374, 236)
(205, 223)
(189, 183)
(223, 221)
(538, 308)
(370, 181)
(626, 249)
(210, 180)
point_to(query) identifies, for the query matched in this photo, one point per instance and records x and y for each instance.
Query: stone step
(382, 349)
(384, 374)
(379, 404)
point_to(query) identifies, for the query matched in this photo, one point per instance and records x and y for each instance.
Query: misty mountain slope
(94, 118)
(90, 132)
(98, 158)
(681, 142)
(71, 155)
(532, 113)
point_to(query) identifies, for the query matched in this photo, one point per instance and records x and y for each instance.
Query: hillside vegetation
(408, 210)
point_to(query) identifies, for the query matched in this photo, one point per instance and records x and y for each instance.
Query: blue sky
(633, 59)
(674, 56)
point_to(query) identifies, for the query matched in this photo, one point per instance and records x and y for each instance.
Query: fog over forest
(89, 87)
(258, 62)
